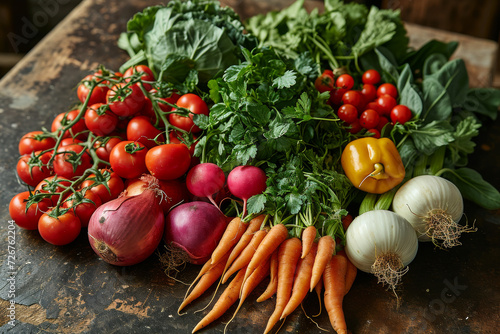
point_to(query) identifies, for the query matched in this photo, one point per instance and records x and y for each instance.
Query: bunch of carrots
(295, 267)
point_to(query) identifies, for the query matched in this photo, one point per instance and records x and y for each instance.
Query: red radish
(127, 230)
(205, 180)
(195, 228)
(245, 182)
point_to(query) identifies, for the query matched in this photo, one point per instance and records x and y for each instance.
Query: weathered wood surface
(69, 290)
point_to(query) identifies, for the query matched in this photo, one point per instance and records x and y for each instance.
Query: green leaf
(409, 96)
(417, 58)
(474, 188)
(463, 144)
(256, 203)
(484, 101)
(436, 100)
(287, 80)
(388, 65)
(431, 136)
(454, 78)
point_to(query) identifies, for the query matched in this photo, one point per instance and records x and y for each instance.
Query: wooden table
(69, 290)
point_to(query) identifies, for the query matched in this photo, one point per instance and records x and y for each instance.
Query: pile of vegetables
(296, 146)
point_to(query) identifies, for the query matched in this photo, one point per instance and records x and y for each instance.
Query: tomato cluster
(370, 107)
(127, 125)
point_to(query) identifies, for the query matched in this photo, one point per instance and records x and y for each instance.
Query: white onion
(383, 243)
(434, 206)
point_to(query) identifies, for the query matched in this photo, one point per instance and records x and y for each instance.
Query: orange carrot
(276, 235)
(226, 299)
(246, 255)
(350, 273)
(273, 278)
(231, 236)
(334, 282)
(326, 247)
(253, 226)
(301, 282)
(318, 289)
(205, 281)
(307, 237)
(288, 256)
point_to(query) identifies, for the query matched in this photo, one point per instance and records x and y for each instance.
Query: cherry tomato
(27, 219)
(83, 206)
(329, 72)
(348, 113)
(98, 94)
(355, 127)
(336, 96)
(71, 162)
(104, 149)
(369, 91)
(169, 161)
(387, 89)
(65, 118)
(107, 178)
(125, 99)
(375, 132)
(381, 123)
(53, 185)
(128, 159)
(32, 169)
(345, 81)
(371, 77)
(60, 230)
(69, 141)
(400, 114)
(374, 105)
(141, 130)
(35, 141)
(354, 98)
(324, 83)
(195, 105)
(369, 119)
(176, 138)
(100, 120)
(386, 103)
(147, 75)
(148, 110)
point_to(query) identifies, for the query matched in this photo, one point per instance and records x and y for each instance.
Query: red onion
(195, 228)
(127, 230)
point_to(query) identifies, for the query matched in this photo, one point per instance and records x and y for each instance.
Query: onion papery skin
(127, 230)
(421, 196)
(378, 232)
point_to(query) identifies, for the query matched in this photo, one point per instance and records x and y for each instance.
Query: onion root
(389, 269)
(443, 230)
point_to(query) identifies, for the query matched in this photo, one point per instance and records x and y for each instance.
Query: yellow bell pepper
(373, 165)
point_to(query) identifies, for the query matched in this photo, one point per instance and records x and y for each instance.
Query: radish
(245, 182)
(205, 180)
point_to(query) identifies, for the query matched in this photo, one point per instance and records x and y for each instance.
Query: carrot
(245, 256)
(288, 256)
(276, 235)
(334, 280)
(253, 226)
(231, 236)
(318, 289)
(273, 279)
(307, 237)
(301, 282)
(226, 299)
(350, 273)
(205, 281)
(326, 247)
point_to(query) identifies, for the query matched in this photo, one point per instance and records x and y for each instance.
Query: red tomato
(70, 161)
(65, 118)
(176, 138)
(27, 219)
(169, 161)
(111, 179)
(373, 105)
(147, 75)
(195, 105)
(336, 96)
(148, 110)
(375, 132)
(141, 130)
(348, 113)
(369, 91)
(103, 150)
(354, 98)
(100, 120)
(98, 95)
(69, 141)
(329, 72)
(125, 99)
(324, 83)
(60, 230)
(381, 123)
(53, 185)
(386, 103)
(387, 89)
(35, 141)
(128, 159)
(355, 127)
(369, 119)
(345, 81)
(88, 203)
(371, 77)
(400, 114)
(32, 169)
